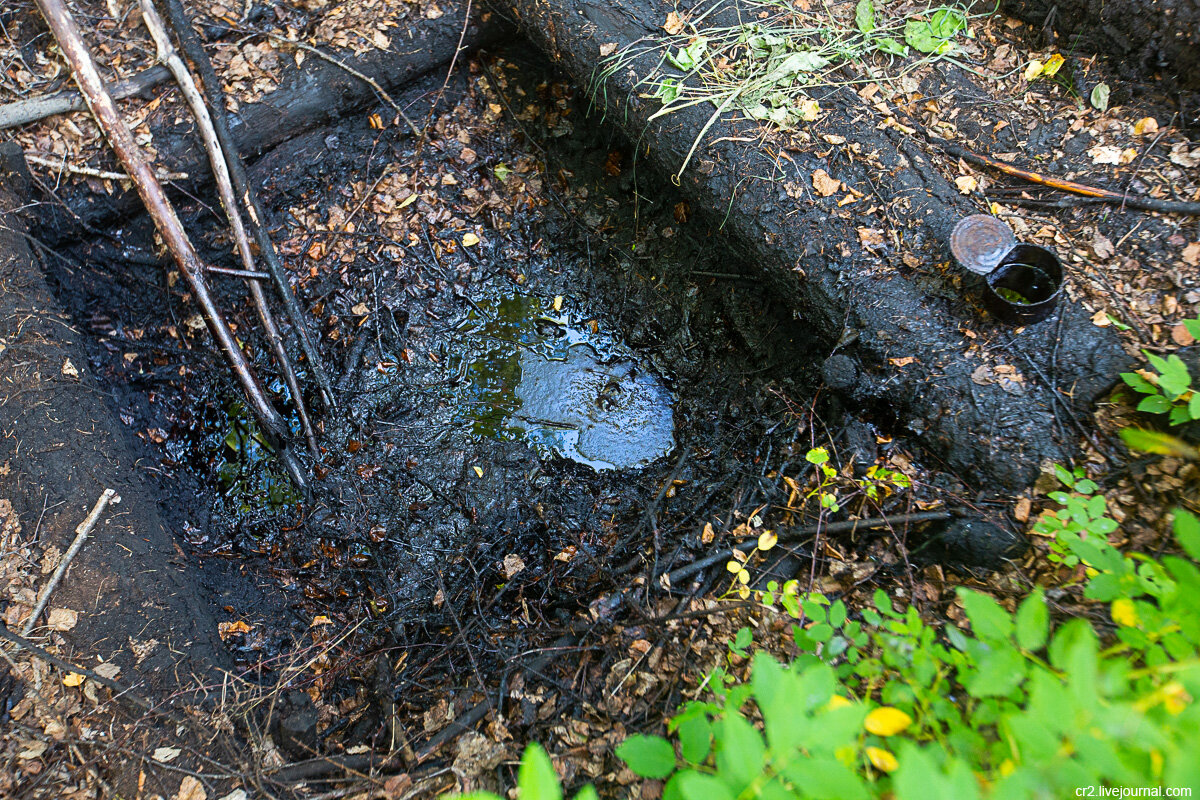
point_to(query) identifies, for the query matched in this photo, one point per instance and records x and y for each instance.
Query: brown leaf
(1022, 509)
(674, 24)
(825, 185)
(1191, 254)
(62, 619)
(1182, 336)
(512, 565)
(190, 789)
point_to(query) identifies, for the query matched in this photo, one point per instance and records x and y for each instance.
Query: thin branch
(70, 42)
(91, 172)
(168, 56)
(194, 51)
(81, 534)
(33, 109)
(367, 79)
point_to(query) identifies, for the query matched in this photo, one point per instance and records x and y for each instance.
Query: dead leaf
(32, 749)
(902, 362)
(1182, 336)
(1145, 126)
(706, 536)
(107, 669)
(674, 24)
(1105, 154)
(190, 789)
(470, 240)
(1022, 509)
(966, 183)
(824, 184)
(1183, 157)
(227, 629)
(69, 370)
(1191, 254)
(1102, 246)
(870, 237)
(73, 679)
(62, 619)
(607, 49)
(512, 565)
(166, 755)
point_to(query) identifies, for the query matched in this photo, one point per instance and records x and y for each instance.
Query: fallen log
(874, 287)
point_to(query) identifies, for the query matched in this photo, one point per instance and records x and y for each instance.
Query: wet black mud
(550, 378)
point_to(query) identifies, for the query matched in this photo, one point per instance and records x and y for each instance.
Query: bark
(895, 314)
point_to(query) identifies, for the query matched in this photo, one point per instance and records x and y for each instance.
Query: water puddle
(562, 386)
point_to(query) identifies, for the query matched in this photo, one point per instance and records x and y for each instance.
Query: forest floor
(451, 593)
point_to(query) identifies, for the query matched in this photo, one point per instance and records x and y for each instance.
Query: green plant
(1011, 708)
(770, 68)
(1168, 389)
(536, 780)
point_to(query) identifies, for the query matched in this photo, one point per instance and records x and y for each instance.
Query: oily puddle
(534, 372)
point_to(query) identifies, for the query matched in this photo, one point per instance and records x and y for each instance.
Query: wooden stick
(1100, 195)
(91, 172)
(22, 112)
(82, 530)
(70, 42)
(208, 135)
(194, 51)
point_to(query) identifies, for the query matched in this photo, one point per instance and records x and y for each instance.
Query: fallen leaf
(1053, 64)
(512, 565)
(470, 240)
(62, 619)
(674, 24)
(69, 370)
(824, 184)
(870, 237)
(1182, 336)
(32, 749)
(107, 669)
(1183, 157)
(1102, 246)
(227, 629)
(1022, 509)
(607, 49)
(478, 471)
(166, 755)
(902, 362)
(1191, 254)
(190, 789)
(1128, 155)
(73, 679)
(706, 536)
(1099, 96)
(1034, 69)
(1105, 154)
(966, 183)
(240, 794)
(1145, 126)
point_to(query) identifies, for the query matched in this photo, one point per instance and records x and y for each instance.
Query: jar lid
(979, 242)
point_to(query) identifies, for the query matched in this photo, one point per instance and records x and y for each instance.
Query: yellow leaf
(408, 201)
(74, 679)
(734, 566)
(1052, 65)
(966, 184)
(478, 471)
(767, 540)
(470, 240)
(743, 592)
(1123, 612)
(1175, 698)
(837, 701)
(706, 536)
(743, 577)
(886, 721)
(1034, 69)
(1144, 126)
(558, 302)
(882, 759)
(808, 110)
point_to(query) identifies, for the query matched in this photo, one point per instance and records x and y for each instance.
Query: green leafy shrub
(1168, 390)
(890, 705)
(895, 706)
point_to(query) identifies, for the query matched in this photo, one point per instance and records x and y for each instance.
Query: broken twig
(81, 534)
(91, 172)
(1098, 195)
(32, 109)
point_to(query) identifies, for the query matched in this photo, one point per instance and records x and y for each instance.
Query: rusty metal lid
(980, 241)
